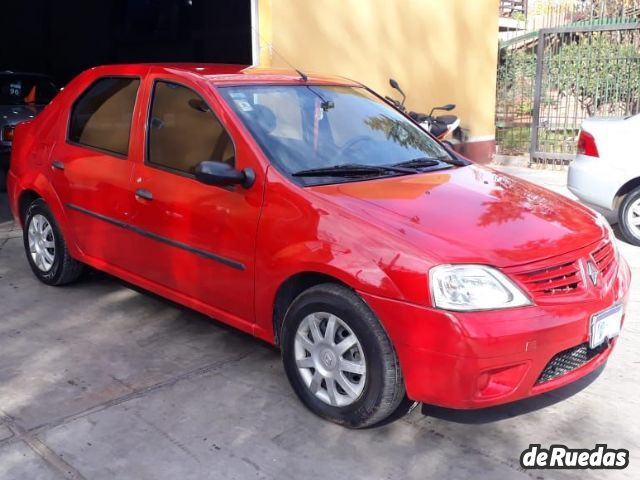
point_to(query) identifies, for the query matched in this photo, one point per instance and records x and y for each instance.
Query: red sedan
(308, 212)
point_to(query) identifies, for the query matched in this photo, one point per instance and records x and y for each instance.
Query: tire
(54, 266)
(627, 211)
(370, 395)
(3, 180)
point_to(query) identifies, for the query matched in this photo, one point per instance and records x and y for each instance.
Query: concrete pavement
(100, 381)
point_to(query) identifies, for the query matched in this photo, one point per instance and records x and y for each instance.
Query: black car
(22, 96)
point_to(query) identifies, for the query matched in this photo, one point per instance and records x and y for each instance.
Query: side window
(183, 131)
(101, 117)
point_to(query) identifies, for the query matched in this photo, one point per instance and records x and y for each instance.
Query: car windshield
(16, 89)
(302, 128)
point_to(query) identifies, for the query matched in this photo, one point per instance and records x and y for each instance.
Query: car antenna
(303, 76)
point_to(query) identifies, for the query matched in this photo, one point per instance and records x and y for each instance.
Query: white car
(606, 171)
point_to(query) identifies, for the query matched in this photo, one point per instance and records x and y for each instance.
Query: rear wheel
(629, 217)
(339, 359)
(45, 247)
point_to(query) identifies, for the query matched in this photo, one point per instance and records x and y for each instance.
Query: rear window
(26, 90)
(101, 117)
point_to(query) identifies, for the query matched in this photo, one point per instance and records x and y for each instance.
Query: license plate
(605, 325)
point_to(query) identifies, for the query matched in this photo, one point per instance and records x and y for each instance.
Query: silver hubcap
(41, 242)
(330, 359)
(633, 218)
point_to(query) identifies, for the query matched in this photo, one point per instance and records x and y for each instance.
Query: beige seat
(182, 134)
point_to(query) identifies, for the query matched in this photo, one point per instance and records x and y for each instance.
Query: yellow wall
(440, 51)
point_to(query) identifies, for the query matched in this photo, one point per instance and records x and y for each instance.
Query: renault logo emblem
(592, 271)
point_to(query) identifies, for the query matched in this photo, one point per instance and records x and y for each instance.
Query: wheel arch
(38, 186)
(624, 190)
(293, 286)
(25, 199)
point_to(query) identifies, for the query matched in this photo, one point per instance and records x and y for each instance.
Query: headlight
(473, 287)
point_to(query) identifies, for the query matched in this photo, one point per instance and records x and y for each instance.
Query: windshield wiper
(425, 162)
(418, 163)
(352, 170)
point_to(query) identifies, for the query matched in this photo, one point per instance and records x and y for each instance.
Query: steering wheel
(352, 143)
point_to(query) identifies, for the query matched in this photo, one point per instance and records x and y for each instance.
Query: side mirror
(448, 107)
(223, 174)
(396, 86)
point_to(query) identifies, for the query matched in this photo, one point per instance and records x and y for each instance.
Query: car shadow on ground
(515, 409)
(91, 275)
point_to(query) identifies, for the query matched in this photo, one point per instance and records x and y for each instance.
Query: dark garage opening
(61, 38)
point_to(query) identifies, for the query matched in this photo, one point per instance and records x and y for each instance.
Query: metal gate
(581, 72)
(562, 62)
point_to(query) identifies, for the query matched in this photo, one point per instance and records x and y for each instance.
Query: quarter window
(183, 131)
(101, 117)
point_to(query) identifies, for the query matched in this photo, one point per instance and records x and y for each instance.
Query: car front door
(92, 168)
(196, 240)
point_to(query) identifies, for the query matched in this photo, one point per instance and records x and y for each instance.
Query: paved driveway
(101, 381)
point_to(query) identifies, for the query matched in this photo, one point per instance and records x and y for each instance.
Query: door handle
(57, 164)
(145, 194)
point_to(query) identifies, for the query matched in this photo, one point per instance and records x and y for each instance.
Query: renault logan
(310, 213)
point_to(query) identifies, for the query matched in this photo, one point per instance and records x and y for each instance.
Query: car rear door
(92, 167)
(197, 240)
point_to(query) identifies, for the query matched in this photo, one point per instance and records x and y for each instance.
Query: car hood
(12, 114)
(471, 214)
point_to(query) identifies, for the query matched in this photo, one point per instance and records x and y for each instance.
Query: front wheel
(45, 247)
(338, 358)
(629, 217)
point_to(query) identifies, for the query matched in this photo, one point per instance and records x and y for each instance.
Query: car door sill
(154, 288)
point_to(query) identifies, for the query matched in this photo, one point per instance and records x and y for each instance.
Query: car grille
(568, 360)
(565, 276)
(560, 278)
(604, 258)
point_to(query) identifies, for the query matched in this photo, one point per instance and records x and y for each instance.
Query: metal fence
(581, 72)
(514, 101)
(551, 79)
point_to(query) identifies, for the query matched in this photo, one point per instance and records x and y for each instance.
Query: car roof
(226, 74)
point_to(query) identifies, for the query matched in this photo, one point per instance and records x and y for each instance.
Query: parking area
(98, 380)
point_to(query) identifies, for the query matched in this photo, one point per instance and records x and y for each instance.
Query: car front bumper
(480, 359)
